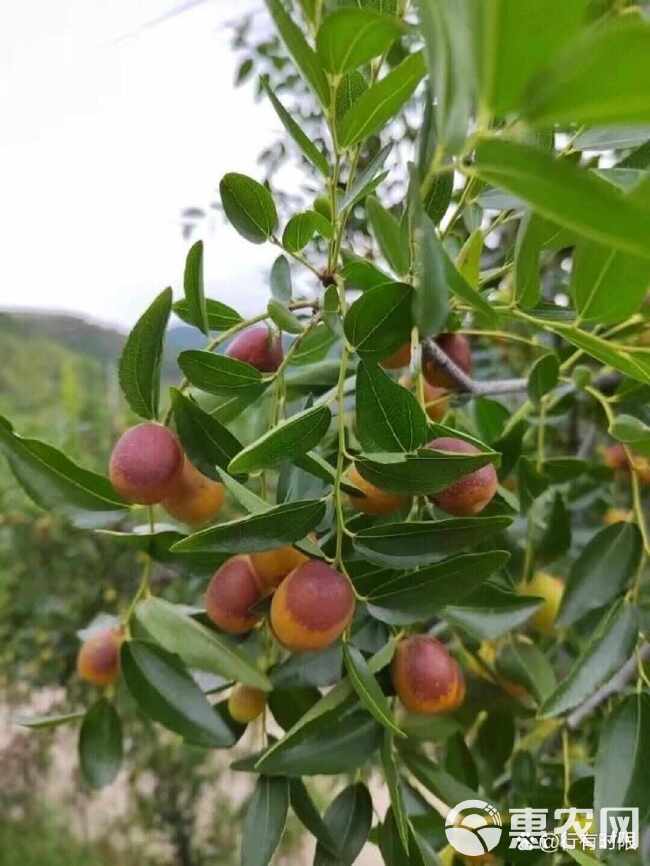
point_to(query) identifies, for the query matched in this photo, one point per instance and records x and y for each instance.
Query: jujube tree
(419, 581)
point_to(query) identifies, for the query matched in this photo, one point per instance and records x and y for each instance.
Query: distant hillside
(90, 339)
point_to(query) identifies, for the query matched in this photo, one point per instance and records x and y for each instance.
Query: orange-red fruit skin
(194, 498)
(232, 591)
(258, 346)
(376, 501)
(426, 677)
(272, 566)
(400, 358)
(312, 607)
(98, 661)
(436, 401)
(146, 463)
(471, 493)
(456, 347)
(246, 703)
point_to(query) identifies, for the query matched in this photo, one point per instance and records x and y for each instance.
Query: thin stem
(566, 758)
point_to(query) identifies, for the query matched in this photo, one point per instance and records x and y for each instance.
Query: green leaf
(336, 698)
(139, 368)
(276, 527)
(389, 234)
(348, 820)
(608, 648)
(350, 37)
(196, 307)
(605, 566)
(438, 196)
(289, 705)
(405, 545)
(287, 440)
(309, 816)
(100, 744)
(165, 692)
(431, 296)
(38, 722)
(389, 417)
(440, 783)
(418, 596)
(490, 418)
(380, 321)
(264, 821)
(534, 235)
(584, 859)
(199, 647)
(556, 540)
(518, 38)
(55, 483)
(218, 374)
(284, 319)
(543, 377)
(525, 663)
(421, 474)
(314, 347)
(381, 102)
(249, 207)
(578, 87)
(394, 785)
(566, 194)
(320, 668)
(349, 89)
(248, 500)
(608, 286)
(206, 442)
(157, 545)
(621, 775)
(447, 27)
(281, 287)
(459, 286)
(361, 274)
(299, 231)
(490, 612)
(634, 364)
(304, 56)
(221, 317)
(631, 431)
(366, 179)
(367, 688)
(306, 145)
(336, 742)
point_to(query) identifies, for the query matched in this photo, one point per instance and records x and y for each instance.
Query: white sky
(105, 139)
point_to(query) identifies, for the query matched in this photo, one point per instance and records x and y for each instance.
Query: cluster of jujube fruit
(312, 603)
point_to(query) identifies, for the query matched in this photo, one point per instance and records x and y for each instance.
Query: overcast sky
(108, 130)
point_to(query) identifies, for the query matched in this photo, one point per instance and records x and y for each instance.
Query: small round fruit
(259, 346)
(471, 493)
(246, 703)
(146, 463)
(549, 588)
(98, 661)
(436, 401)
(456, 347)
(617, 515)
(375, 501)
(272, 566)
(426, 677)
(194, 498)
(312, 607)
(231, 593)
(400, 358)
(615, 457)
